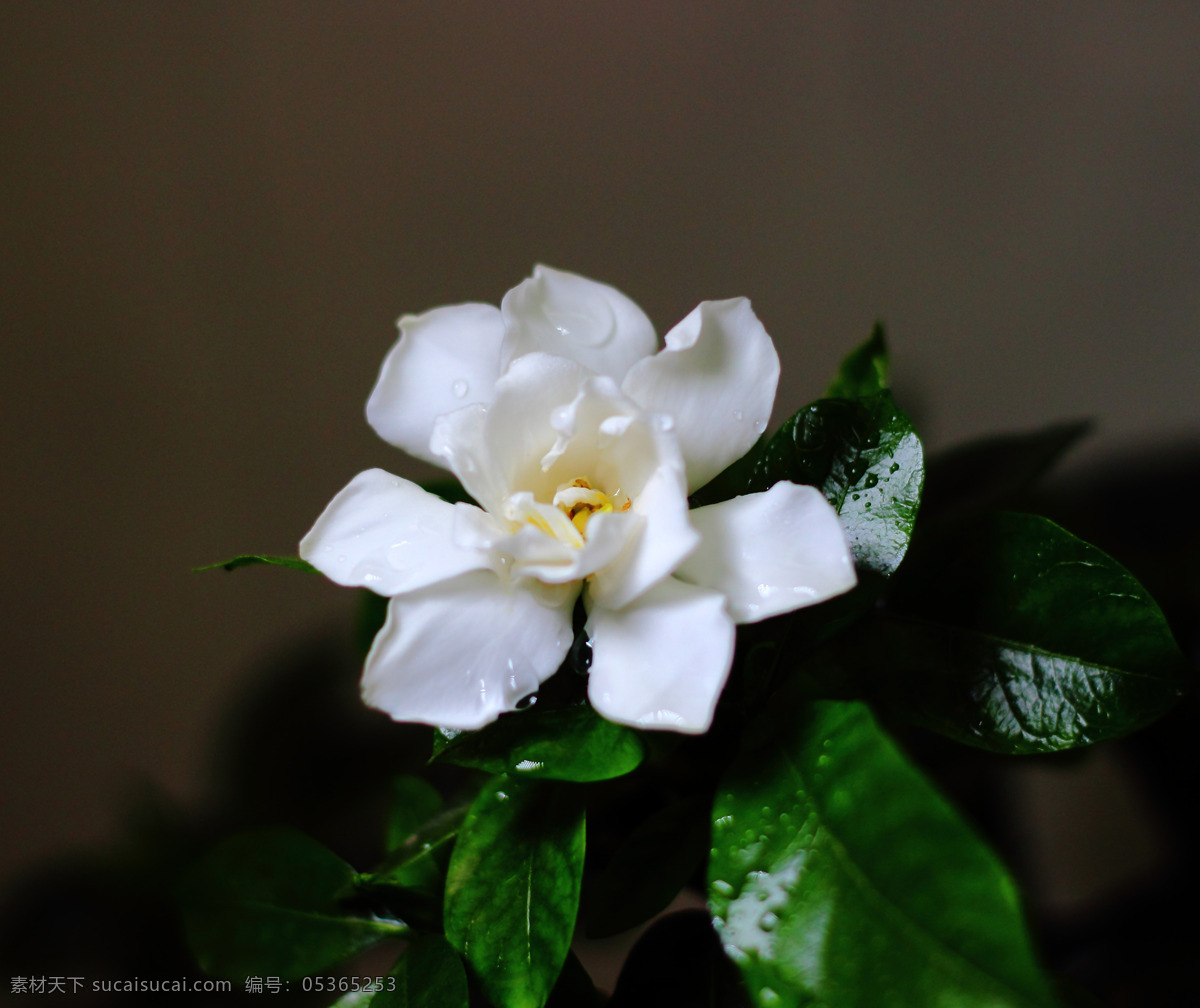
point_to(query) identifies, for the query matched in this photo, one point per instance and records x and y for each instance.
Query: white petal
(497, 450)
(462, 652)
(445, 359)
(570, 316)
(770, 552)
(666, 537)
(715, 379)
(387, 534)
(535, 554)
(661, 662)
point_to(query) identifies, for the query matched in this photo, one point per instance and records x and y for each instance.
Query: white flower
(580, 443)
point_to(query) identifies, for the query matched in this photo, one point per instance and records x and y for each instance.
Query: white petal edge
(461, 653)
(445, 359)
(385, 533)
(716, 380)
(770, 552)
(661, 662)
(665, 539)
(571, 316)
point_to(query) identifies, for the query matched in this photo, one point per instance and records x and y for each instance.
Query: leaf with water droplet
(559, 743)
(512, 889)
(1011, 634)
(885, 898)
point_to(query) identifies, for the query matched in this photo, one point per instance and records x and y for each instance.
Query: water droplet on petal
(738, 415)
(460, 388)
(664, 422)
(759, 426)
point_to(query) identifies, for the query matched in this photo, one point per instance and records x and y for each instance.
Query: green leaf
(995, 471)
(512, 890)
(864, 371)
(429, 975)
(649, 868)
(417, 861)
(866, 458)
(839, 876)
(250, 559)
(414, 802)
(268, 902)
(1014, 635)
(565, 743)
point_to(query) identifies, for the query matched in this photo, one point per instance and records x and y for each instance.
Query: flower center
(566, 517)
(579, 500)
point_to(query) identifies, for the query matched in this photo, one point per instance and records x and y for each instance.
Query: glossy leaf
(864, 371)
(512, 889)
(995, 471)
(268, 902)
(565, 743)
(250, 559)
(867, 459)
(1014, 635)
(839, 876)
(428, 975)
(649, 868)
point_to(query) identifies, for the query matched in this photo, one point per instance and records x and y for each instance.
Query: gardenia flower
(579, 442)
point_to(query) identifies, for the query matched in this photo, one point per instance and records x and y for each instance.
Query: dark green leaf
(866, 458)
(864, 371)
(268, 903)
(512, 890)
(429, 975)
(995, 471)
(418, 859)
(839, 876)
(414, 802)
(249, 560)
(565, 743)
(1016, 636)
(649, 868)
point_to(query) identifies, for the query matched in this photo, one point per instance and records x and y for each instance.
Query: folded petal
(445, 359)
(664, 540)
(387, 534)
(770, 552)
(570, 316)
(661, 662)
(715, 379)
(460, 653)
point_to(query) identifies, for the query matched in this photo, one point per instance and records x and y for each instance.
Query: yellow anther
(579, 500)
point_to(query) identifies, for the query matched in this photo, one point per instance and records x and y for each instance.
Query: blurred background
(213, 213)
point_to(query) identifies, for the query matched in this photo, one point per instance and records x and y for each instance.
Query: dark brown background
(213, 212)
